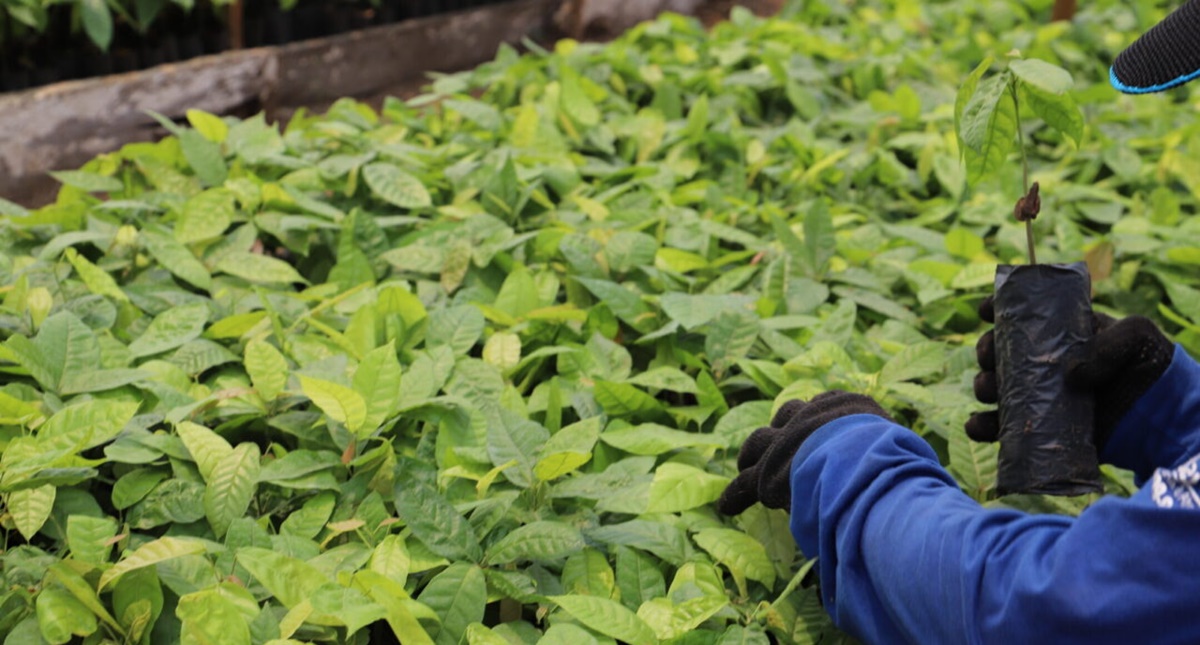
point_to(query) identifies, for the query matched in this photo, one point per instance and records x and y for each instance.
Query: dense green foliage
(475, 368)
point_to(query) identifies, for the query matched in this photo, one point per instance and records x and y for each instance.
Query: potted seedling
(1043, 311)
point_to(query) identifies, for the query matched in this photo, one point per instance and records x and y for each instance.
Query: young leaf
(89, 538)
(913, 362)
(435, 522)
(30, 508)
(172, 328)
(395, 186)
(1041, 75)
(678, 487)
(744, 556)
(209, 617)
(458, 595)
(61, 616)
(205, 216)
(543, 541)
(88, 181)
(988, 126)
(377, 380)
(259, 269)
(1059, 111)
(98, 281)
(607, 617)
(268, 369)
(207, 448)
(231, 486)
(290, 580)
(341, 403)
(149, 554)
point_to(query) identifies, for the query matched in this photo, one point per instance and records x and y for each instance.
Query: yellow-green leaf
(341, 403)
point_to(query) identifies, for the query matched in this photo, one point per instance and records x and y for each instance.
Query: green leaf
(607, 617)
(435, 522)
(395, 186)
(207, 616)
(97, 22)
(678, 487)
(458, 596)
(1059, 111)
(268, 369)
(290, 580)
(308, 521)
(204, 157)
(339, 402)
(207, 448)
(988, 126)
(622, 399)
(665, 378)
(568, 449)
(30, 508)
(176, 258)
(543, 541)
(133, 486)
(89, 538)
(671, 619)
(82, 590)
(1041, 75)
(741, 554)
(731, 335)
(98, 281)
(575, 102)
(973, 464)
(88, 181)
(173, 328)
(655, 439)
(205, 216)
(61, 616)
(458, 328)
(511, 438)
(149, 554)
(259, 269)
(913, 362)
(231, 487)
(209, 125)
(349, 607)
(377, 380)
(503, 349)
(638, 577)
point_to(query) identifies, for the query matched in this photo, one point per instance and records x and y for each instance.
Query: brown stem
(1063, 10)
(237, 26)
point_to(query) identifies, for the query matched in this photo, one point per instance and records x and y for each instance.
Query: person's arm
(905, 556)
(1162, 428)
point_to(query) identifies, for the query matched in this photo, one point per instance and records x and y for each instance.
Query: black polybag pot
(1043, 320)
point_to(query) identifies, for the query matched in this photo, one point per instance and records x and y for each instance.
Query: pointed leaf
(607, 617)
(151, 553)
(395, 186)
(341, 403)
(231, 486)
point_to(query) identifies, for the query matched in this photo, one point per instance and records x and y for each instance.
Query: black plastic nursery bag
(1043, 319)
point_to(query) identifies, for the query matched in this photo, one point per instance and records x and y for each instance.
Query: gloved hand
(765, 460)
(1122, 360)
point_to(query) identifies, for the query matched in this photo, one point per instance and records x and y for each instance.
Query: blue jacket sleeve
(905, 556)
(1162, 429)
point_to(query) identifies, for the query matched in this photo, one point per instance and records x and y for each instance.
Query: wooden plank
(62, 126)
(363, 63)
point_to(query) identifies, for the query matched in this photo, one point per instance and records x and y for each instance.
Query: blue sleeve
(905, 556)
(1162, 429)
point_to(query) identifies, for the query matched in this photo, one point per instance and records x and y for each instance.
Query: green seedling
(988, 122)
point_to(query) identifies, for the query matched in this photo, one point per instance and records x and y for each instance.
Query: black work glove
(1122, 360)
(765, 460)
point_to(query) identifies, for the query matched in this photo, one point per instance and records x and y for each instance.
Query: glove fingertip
(983, 427)
(985, 351)
(986, 389)
(987, 309)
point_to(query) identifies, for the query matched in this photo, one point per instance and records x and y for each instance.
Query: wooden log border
(64, 125)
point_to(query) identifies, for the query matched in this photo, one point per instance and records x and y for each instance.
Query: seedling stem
(1012, 87)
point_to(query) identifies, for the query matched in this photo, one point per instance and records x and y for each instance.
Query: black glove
(765, 460)
(1122, 360)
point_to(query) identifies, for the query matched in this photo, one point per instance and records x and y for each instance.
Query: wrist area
(1162, 428)
(839, 460)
